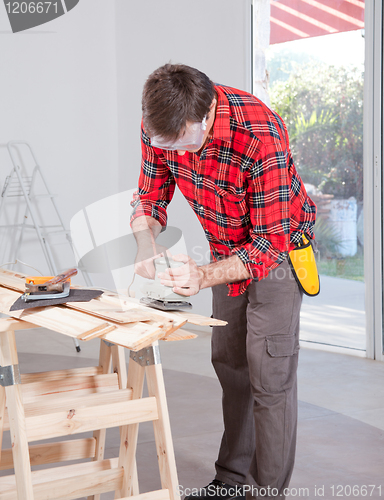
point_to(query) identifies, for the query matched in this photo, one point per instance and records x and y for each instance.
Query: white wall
(72, 88)
(58, 92)
(212, 35)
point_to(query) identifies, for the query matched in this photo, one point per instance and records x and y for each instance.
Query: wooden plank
(81, 486)
(90, 371)
(162, 429)
(105, 363)
(54, 452)
(119, 366)
(2, 414)
(98, 307)
(56, 318)
(135, 336)
(111, 307)
(111, 301)
(71, 385)
(73, 323)
(10, 279)
(8, 356)
(179, 334)
(47, 404)
(75, 419)
(150, 495)
(103, 309)
(14, 324)
(98, 331)
(129, 434)
(177, 316)
(69, 482)
(197, 319)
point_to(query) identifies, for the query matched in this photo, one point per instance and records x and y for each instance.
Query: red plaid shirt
(244, 187)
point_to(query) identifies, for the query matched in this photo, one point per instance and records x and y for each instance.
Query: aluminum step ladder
(21, 186)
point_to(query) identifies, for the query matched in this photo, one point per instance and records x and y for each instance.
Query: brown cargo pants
(255, 357)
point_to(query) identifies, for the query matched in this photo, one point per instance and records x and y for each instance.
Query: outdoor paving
(336, 317)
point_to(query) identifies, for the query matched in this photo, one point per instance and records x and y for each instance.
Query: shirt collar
(221, 127)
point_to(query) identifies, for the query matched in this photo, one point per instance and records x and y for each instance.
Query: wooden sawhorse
(62, 403)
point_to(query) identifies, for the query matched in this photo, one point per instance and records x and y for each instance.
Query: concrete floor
(341, 414)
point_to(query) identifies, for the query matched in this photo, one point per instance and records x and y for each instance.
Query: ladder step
(43, 195)
(31, 226)
(51, 402)
(75, 419)
(151, 495)
(50, 453)
(90, 371)
(70, 386)
(69, 482)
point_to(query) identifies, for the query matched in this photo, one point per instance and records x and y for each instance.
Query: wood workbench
(39, 406)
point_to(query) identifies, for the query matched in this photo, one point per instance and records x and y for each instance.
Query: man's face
(209, 124)
(192, 138)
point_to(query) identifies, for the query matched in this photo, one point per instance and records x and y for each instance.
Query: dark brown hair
(172, 95)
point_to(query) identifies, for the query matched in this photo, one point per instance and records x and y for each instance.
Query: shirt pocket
(232, 214)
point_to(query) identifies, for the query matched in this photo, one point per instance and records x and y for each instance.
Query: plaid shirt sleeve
(156, 185)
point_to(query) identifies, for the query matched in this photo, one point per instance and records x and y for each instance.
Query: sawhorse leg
(112, 357)
(11, 380)
(162, 430)
(147, 362)
(2, 411)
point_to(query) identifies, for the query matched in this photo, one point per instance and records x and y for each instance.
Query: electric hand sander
(48, 287)
(160, 296)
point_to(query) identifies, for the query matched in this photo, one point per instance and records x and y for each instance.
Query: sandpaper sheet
(75, 295)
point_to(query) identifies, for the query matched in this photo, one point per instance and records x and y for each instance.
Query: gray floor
(341, 414)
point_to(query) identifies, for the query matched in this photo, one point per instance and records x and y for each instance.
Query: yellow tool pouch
(303, 266)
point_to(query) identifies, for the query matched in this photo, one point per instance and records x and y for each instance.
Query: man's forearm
(146, 229)
(224, 271)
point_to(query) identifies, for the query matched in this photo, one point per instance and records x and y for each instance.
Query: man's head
(174, 97)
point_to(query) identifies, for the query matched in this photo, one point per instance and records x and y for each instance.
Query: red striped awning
(294, 19)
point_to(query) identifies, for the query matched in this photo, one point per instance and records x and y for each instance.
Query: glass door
(316, 84)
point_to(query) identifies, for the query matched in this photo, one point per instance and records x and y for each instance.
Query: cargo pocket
(279, 362)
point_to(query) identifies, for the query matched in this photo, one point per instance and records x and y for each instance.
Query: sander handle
(62, 277)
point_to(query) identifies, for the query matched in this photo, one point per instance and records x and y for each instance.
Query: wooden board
(75, 420)
(50, 453)
(180, 334)
(98, 307)
(103, 309)
(69, 481)
(113, 306)
(74, 323)
(197, 319)
(118, 319)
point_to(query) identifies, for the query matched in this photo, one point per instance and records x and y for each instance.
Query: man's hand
(144, 265)
(190, 279)
(145, 230)
(186, 280)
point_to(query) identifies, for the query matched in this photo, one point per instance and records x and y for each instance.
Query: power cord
(18, 261)
(129, 287)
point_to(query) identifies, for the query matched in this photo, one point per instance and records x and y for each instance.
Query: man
(229, 155)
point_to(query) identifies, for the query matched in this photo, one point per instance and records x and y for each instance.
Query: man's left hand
(185, 280)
